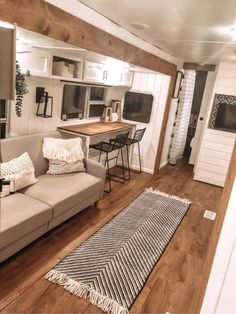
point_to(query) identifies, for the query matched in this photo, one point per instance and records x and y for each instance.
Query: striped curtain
(183, 112)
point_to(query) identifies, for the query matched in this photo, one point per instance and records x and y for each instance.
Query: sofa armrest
(96, 169)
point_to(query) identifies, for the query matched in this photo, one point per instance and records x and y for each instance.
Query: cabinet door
(7, 63)
(35, 60)
(94, 72)
(126, 79)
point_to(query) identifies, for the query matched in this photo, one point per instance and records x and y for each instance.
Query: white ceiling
(193, 30)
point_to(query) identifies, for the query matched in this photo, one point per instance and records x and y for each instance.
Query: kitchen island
(95, 132)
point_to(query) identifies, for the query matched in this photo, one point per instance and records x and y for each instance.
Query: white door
(202, 117)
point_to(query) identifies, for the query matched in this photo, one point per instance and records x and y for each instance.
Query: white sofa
(31, 212)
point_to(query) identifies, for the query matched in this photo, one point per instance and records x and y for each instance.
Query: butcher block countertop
(95, 128)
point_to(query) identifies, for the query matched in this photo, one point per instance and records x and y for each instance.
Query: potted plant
(21, 88)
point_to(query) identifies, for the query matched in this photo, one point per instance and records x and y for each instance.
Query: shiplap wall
(183, 116)
(216, 146)
(29, 123)
(155, 84)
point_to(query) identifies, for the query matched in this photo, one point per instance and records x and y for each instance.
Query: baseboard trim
(147, 170)
(164, 164)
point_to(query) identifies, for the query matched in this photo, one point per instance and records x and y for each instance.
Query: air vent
(209, 215)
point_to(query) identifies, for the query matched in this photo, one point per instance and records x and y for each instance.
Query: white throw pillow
(20, 170)
(65, 156)
(60, 167)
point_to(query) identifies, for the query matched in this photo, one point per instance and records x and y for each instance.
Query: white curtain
(180, 130)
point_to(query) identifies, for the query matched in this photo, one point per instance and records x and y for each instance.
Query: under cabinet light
(6, 25)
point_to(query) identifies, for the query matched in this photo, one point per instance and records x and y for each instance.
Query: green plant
(21, 88)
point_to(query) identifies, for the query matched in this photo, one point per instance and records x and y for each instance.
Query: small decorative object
(116, 108)
(21, 88)
(44, 103)
(63, 67)
(178, 80)
(107, 114)
(114, 117)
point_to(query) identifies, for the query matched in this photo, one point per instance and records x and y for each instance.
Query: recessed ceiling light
(139, 26)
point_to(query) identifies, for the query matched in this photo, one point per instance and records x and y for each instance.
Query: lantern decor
(44, 103)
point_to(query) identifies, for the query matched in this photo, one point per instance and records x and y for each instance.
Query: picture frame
(178, 81)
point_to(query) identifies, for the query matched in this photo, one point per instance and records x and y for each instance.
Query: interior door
(196, 142)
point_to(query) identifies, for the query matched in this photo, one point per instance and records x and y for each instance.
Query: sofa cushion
(64, 191)
(21, 214)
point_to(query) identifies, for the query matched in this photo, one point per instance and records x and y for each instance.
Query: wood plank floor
(173, 286)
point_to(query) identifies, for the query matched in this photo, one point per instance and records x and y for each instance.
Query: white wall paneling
(29, 123)
(219, 297)
(157, 85)
(216, 146)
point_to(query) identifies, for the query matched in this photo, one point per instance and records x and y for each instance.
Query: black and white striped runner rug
(111, 267)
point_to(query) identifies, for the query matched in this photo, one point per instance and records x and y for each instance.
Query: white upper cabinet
(42, 62)
(94, 72)
(35, 60)
(119, 76)
(126, 79)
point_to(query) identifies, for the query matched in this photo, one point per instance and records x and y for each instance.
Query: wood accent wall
(41, 17)
(215, 234)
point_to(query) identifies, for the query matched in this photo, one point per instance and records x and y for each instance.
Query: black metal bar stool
(117, 144)
(138, 135)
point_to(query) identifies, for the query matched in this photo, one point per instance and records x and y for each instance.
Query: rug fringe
(184, 200)
(86, 292)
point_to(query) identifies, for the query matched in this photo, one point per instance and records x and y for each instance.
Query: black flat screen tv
(138, 107)
(226, 117)
(223, 114)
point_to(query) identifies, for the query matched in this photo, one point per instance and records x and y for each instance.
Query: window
(96, 110)
(74, 98)
(137, 107)
(97, 93)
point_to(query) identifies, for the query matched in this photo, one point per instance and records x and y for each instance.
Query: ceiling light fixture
(139, 26)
